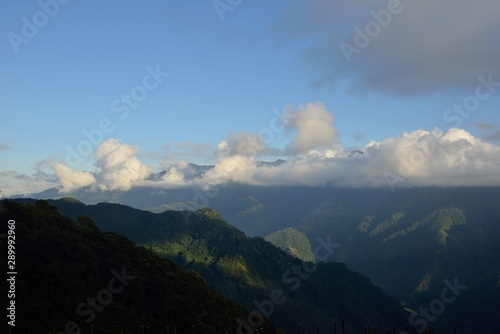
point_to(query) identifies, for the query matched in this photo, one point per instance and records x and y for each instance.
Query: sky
(351, 93)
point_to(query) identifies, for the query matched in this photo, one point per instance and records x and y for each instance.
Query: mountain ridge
(69, 275)
(409, 266)
(248, 270)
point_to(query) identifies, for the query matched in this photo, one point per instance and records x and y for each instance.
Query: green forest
(68, 275)
(247, 270)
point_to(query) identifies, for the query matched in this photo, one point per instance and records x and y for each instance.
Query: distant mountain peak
(208, 213)
(271, 163)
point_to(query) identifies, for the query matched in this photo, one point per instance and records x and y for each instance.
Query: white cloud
(119, 166)
(244, 144)
(418, 158)
(233, 168)
(174, 177)
(118, 169)
(461, 159)
(16, 183)
(313, 125)
(72, 180)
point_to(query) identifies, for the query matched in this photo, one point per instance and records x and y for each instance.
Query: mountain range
(251, 272)
(70, 275)
(411, 242)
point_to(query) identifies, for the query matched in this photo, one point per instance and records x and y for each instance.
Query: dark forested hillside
(408, 241)
(251, 271)
(69, 274)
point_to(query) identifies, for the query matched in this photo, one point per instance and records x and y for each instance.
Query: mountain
(408, 241)
(292, 242)
(70, 274)
(250, 271)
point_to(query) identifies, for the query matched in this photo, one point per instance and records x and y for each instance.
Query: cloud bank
(313, 157)
(396, 47)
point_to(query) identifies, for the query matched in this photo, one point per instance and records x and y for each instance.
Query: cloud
(423, 47)
(461, 159)
(44, 170)
(15, 175)
(494, 136)
(119, 167)
(71, 180)
(358, 136)
(16, 183)
(244, 144)
(313, 125)
(418, 158)
(237, 168)
(175, 176)
(4, 147)
(490, 131)
(313, 131)
(484, 126)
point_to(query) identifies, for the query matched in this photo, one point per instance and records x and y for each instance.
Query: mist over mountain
(193, 171)
(313, 157)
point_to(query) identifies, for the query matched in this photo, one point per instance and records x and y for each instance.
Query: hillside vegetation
(407, 241)
(250, 271)
(292, 242)
(70, 274)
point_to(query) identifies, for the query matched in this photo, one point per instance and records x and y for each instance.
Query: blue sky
(229, 67)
